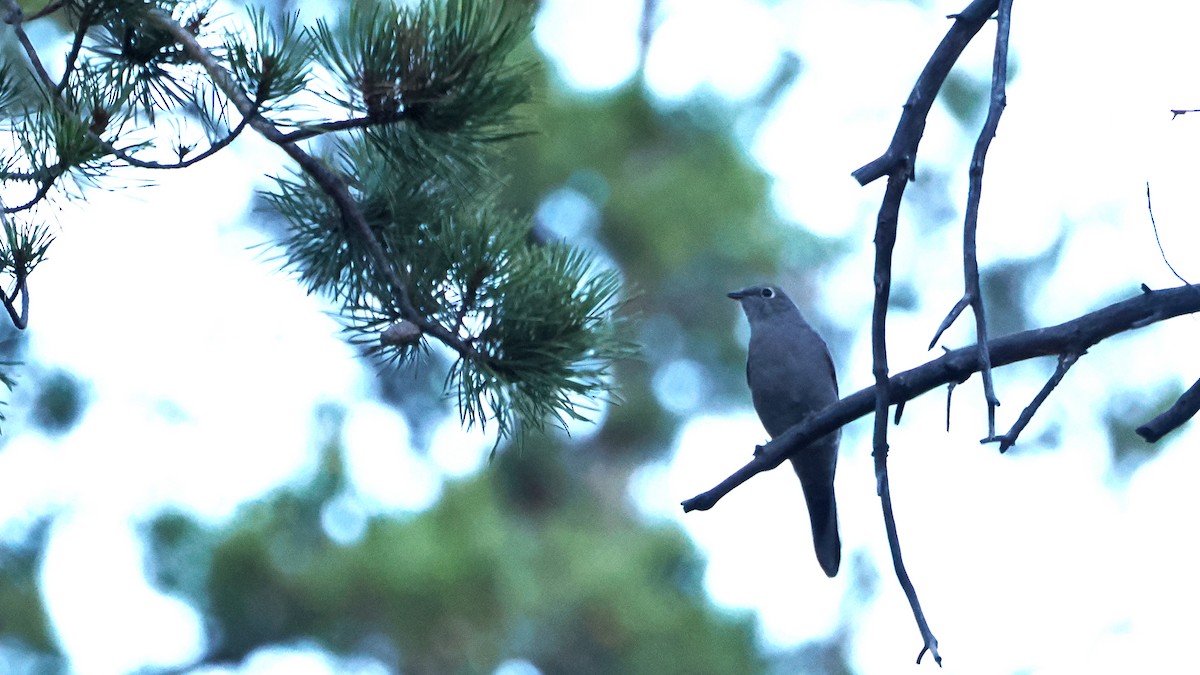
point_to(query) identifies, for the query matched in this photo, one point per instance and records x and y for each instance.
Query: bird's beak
(738, 295)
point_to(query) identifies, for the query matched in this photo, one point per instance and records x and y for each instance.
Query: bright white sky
(1037, 562)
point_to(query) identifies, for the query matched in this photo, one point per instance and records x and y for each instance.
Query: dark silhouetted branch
(1065, 361)
(19, 319)
(903, 147)
(1184, 409)
(1074, 336)
(1157, 240)
(972, 294)
(885, 241)
(898, 163)
(949, 397)
(1070, 338)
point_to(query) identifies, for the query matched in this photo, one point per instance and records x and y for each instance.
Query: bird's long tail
(815, 466)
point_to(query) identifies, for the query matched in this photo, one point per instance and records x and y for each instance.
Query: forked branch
(1072, 337)
(972, 294)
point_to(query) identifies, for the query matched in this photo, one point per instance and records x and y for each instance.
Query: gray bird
(791, 376)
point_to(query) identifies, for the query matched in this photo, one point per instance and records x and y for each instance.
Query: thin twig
(1153, 224)
(43, 190)
(76, 47)
(1184, 409)
(972, 293)
(885, 241)
(213, 148)
(893, 537)
(949, 396)
(14, 17)
(308, 131)
(1065, 361)
(20, 320)
(965, 300)
(903, 147)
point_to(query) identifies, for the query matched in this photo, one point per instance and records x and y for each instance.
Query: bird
(790, 373)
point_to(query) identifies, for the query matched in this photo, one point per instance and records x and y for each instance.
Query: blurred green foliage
(23, 621)
(1126, 411)
(59, 403)
(485, 575)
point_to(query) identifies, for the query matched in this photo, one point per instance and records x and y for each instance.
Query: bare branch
(963, 303)
(889, 522)
(1153, 224)
(1065, 361)
(972, 293)
(903, 147)
(1067, 340)
(949, 397)
(885, 241)
(1074, 336)
(897, 163)
(1184, 409)
(14, 17)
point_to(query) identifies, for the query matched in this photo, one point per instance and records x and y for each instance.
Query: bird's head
(763, 301)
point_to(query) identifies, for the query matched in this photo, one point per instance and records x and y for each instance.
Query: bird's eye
(767, 293)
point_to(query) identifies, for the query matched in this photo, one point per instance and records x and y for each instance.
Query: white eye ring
(767, 293)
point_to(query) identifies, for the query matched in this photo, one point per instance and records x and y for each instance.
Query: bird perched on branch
(790, 373)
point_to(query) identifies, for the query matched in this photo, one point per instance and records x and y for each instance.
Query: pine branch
(332, 184)
(396, 221)
(390, 226)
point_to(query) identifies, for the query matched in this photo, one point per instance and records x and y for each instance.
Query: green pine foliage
(396, 115)
(272, 63)
(445, 67)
